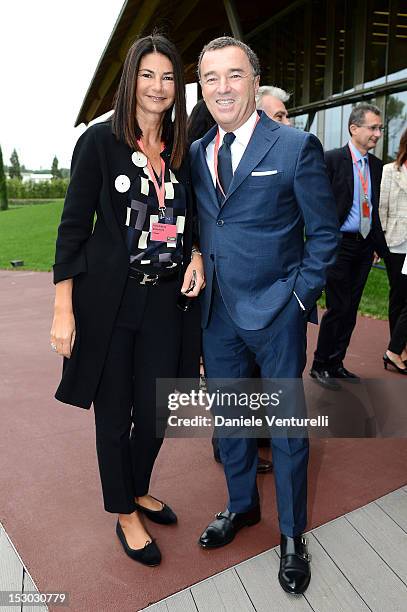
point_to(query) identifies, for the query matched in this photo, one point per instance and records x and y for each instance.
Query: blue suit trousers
(280, 351)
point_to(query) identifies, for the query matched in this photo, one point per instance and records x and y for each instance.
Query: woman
(393, 215)
(116, 318)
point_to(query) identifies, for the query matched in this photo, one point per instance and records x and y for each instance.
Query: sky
(49, 50)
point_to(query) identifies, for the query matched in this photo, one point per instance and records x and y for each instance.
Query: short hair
(271, 90)
(124, 123)
(227, 41)
(358, 113)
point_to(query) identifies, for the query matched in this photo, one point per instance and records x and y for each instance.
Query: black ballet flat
(165, 516)
(148, 555)
(387, 361)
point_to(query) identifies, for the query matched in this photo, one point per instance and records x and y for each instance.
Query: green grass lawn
(28, 232)
(374, 301)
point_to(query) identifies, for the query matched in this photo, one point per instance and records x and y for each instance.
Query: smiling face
(366, 136)
(155, 92)
(228, 86)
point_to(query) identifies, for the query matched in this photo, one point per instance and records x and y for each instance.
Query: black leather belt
(354, 235)
(152, 279)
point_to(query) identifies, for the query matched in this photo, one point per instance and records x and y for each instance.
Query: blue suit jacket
(275, 233)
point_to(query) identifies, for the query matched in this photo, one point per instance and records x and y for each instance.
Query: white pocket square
(264, 172)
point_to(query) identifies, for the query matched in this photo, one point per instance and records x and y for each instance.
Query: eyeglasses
(374, 128)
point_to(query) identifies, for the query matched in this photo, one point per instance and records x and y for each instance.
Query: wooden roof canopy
(188, 23)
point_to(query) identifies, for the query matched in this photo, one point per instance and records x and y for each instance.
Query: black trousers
(397, 302)
(145, 345)
(346, 280)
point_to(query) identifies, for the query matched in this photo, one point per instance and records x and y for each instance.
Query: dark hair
(124, 122)
(358, 113)
(199, 121)
(402, 152)
(227, 41)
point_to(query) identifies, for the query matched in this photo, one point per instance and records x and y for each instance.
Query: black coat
(97, 259)
(340, 171)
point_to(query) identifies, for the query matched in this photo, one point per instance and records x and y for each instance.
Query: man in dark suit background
(355, 176)
(259, 186)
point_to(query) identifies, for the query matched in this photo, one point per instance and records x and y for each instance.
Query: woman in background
(393, 215)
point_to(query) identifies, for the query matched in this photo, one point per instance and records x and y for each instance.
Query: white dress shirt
(238, 147)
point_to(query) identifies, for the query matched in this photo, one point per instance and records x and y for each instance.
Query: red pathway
(51, 503)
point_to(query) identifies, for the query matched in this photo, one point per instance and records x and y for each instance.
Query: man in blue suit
(261, 188)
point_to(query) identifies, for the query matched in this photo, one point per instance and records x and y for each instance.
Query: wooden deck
(359, 563)
(14, 575)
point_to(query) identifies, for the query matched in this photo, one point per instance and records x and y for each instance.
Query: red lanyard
(363, 181)
(215, 156)
(159, 189)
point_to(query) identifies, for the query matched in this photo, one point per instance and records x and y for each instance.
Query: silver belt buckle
(149, 279)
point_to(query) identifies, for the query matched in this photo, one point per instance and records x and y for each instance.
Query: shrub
(31, 190)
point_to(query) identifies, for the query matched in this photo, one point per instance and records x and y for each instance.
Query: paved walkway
(50, 498)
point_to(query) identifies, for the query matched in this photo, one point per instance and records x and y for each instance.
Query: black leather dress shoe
(226, 525)
(325, 379)
(148, 555)
(295, 570)
(344, 374)
(165, 516)
(263, 465)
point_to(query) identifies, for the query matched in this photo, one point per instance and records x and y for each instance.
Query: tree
(55, 171)
(3, 185)
(15, 169)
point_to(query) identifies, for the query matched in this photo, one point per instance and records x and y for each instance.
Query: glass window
(377, 35)
(318, 50)
(396, 122)
(333, 128)
(313, 120)
(281, 52)
(350, 43)
(300, 121)
(339, 46)
(397, 68)
(346, 110)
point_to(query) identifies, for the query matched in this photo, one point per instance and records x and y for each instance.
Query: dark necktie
(225, 170)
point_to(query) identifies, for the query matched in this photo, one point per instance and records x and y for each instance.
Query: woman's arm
(194, 274)
(63, 324)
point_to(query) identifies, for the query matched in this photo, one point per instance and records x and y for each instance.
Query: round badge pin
(139, 159)
(122, 183)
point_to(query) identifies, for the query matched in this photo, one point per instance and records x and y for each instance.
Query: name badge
(162, 232)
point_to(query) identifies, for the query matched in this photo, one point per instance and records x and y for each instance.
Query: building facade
(330, 54)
